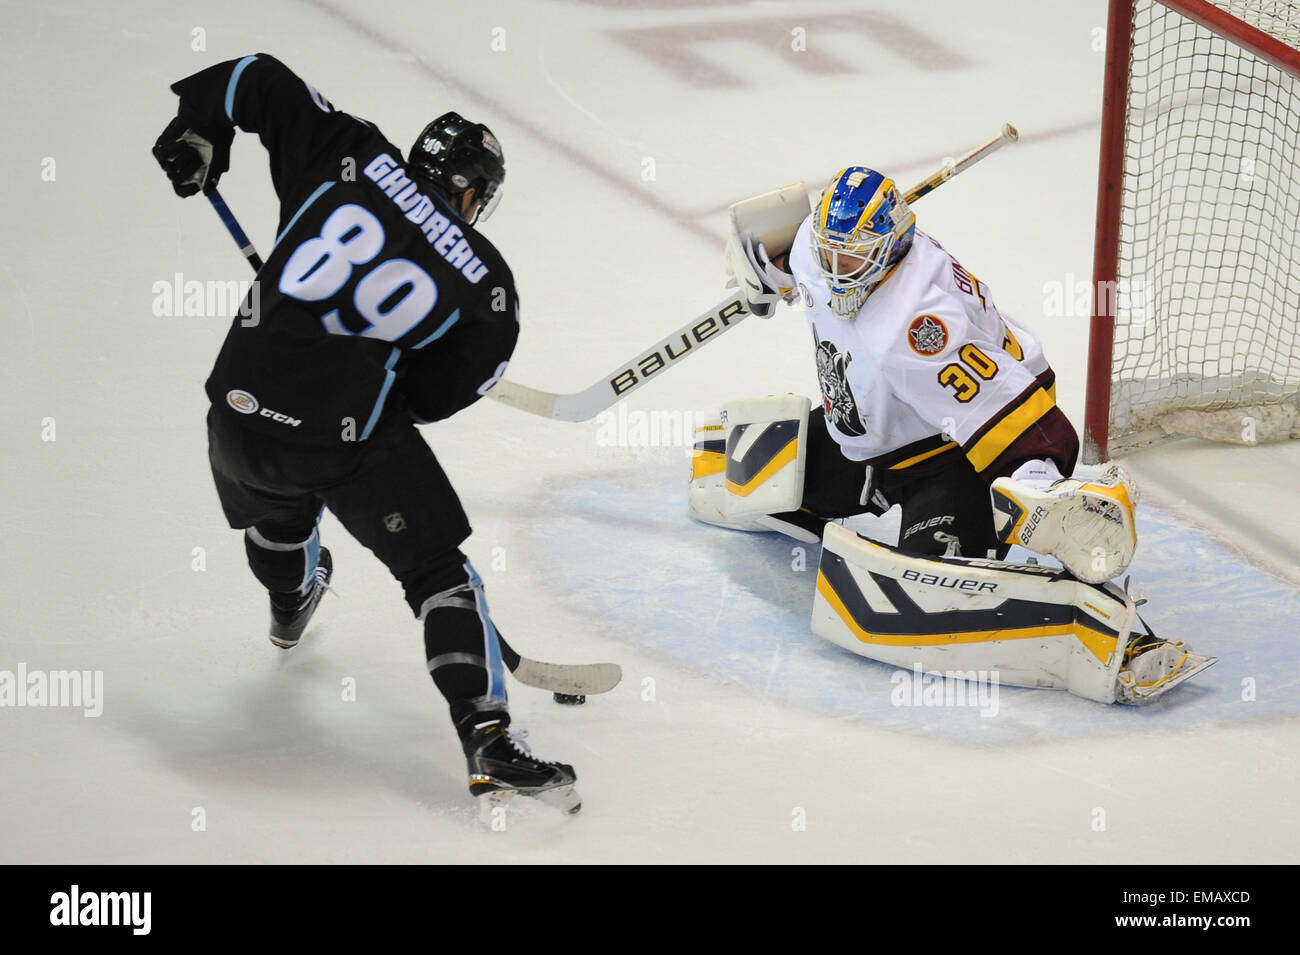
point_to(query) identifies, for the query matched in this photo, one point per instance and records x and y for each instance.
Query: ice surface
(732, 717)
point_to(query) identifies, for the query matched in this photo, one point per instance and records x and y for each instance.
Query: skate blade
(563, 798)
(494, 807)
(1194, 664)
(283, 655)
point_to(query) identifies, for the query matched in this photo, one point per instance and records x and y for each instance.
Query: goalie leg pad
(766, 445)
(1033, 626)
(706, 494)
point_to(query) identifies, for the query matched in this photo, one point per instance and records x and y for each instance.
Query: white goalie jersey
(929, 368)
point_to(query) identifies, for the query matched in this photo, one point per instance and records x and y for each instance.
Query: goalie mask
(453, 156)
(861, 229)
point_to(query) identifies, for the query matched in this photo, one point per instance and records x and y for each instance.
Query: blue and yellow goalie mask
(862, 228)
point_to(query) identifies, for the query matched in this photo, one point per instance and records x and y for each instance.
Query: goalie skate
(1155, 667)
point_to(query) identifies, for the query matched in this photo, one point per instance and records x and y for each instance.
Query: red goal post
(1196, 265)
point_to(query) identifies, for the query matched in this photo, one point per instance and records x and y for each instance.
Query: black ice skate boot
(290, 613)
(501, 765)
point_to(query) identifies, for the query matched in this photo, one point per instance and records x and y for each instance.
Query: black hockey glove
(193, 158)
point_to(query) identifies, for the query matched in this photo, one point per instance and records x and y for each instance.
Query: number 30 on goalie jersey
(976, 376)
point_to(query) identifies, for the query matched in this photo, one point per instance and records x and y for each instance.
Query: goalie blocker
(1034, 626)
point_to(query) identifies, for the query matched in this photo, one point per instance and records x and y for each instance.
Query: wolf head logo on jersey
(927, 334)
(837, 397)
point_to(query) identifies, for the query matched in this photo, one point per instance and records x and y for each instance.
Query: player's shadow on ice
(257, 728)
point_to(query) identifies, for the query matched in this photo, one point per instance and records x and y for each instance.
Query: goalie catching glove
(766, 221)
(752, 270)
(1087, 525)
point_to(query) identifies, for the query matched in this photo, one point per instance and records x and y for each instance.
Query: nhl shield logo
(927, 335)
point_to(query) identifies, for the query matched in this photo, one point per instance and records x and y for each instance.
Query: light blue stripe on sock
(234, 81)
(312, 557)
(442, 329)
(320, 191)
(383, 392)
(496, 668)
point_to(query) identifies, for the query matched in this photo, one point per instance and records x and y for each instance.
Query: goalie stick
(664, 354)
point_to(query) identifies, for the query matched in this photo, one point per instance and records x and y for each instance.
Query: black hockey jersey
(377, 299)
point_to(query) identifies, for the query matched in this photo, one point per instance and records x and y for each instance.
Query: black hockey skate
(501, 765)
(290, 613)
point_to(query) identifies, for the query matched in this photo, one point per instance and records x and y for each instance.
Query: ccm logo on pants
(245, 403)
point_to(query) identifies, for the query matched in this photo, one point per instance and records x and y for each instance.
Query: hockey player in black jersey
(381, 306)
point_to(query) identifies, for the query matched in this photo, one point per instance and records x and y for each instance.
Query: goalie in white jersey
(932, 399)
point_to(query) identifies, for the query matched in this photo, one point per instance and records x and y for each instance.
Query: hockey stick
(698, 332)
(572, 679)
(232, 226)
(1007, 134)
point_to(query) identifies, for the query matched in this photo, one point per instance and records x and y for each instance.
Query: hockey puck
(570, 699)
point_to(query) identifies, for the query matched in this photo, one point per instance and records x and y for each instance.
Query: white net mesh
(1208, 299)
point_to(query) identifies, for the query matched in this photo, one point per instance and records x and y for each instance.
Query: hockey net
(1196, 323)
